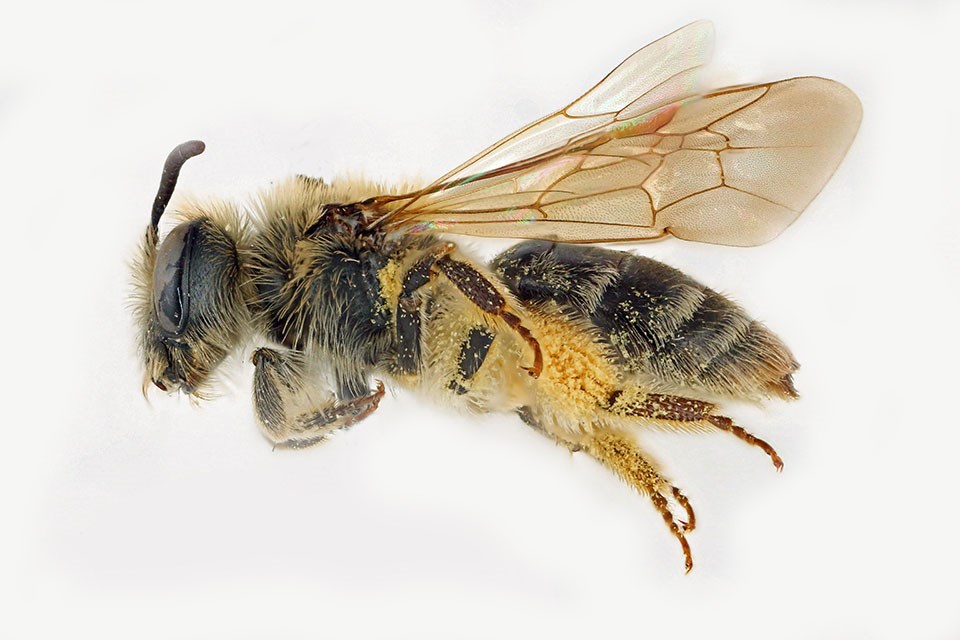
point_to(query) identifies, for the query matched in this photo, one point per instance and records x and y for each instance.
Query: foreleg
(288, 409)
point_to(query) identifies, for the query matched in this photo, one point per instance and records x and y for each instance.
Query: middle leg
(474, 286)
(478, 290)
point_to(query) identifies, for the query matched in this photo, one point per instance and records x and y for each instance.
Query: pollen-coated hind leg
(290, 412)
(680, 411)
(691, 523)
(528, 418)
(627, 460)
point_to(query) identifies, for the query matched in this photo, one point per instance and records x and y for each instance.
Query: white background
(128, 519)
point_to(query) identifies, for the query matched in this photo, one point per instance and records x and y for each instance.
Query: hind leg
(625, 458)
(685, 412)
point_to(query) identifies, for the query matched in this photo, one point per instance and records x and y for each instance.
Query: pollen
(390, 281)
(575, 365)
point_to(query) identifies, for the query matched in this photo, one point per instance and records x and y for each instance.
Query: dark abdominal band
(473, 352)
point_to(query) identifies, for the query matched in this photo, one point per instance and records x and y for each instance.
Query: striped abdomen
(660, 323)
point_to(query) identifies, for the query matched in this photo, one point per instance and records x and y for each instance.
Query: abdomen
(659, 324)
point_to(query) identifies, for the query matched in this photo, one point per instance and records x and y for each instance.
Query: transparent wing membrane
(640, 156)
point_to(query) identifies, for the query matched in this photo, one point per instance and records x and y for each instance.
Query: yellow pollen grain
(389, 277)
(574, 362)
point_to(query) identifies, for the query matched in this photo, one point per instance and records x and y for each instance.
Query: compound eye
(171, 279)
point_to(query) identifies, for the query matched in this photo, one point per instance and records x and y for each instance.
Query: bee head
(189, 307)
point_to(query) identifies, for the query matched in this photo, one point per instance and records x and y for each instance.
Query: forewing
(658, 74)
(733, 167)
(661, 73)
(640, 156)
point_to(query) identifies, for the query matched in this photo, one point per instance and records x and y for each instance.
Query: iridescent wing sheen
(638, 157)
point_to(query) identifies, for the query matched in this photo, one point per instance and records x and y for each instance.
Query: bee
(338, 286)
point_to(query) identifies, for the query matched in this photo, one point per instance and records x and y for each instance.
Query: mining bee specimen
(339, 285)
